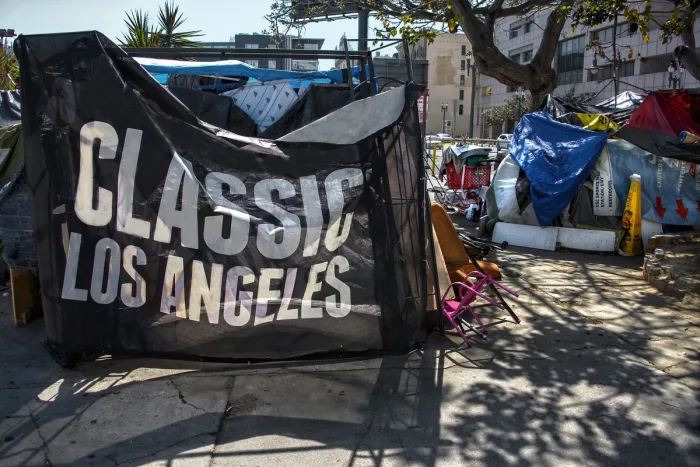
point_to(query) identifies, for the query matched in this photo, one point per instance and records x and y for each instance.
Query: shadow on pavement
(571, 386)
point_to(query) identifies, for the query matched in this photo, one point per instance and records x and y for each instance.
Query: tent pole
(615, 63)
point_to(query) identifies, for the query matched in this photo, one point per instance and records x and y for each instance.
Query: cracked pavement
(603, 371)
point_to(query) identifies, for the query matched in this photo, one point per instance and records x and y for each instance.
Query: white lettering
(174, 279)
(336, 204)
(180, 172)
(125, 194)
(308, 311)
(290, 225)
(341, 308)
(70, 292)
(201, 290)
(129, 298)
(266, 293)
(237, 238)
(103, 247)
(312, 213)
(245, 298)
(285, 312)
(89, 134)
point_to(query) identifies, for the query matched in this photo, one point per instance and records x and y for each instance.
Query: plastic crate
(474, 177)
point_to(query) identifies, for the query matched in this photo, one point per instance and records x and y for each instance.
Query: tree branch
(686, 53)
(555, 24)
(516, 10)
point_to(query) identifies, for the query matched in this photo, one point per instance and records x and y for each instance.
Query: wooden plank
(26, 298)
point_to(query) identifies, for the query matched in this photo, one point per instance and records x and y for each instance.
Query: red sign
(423, 102)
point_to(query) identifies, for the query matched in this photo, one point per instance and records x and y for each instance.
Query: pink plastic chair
(468, 291)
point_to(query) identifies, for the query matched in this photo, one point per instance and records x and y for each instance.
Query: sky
(218, 20)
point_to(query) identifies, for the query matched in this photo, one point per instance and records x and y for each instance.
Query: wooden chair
(459, 265)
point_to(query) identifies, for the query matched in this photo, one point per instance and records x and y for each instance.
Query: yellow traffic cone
(631, 242)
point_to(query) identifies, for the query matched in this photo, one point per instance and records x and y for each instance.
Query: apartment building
(449, 84)
(520, 38)
(265, 41)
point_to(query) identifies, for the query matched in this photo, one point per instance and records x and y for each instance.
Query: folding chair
(457, 259)
(467, 292)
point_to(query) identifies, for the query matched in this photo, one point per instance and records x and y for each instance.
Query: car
(431, 139)
(503, 141)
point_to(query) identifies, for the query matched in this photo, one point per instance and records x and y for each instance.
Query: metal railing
(432, 147)
(449, 142)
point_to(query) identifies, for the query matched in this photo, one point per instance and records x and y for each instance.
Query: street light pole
(443, 106)
(615, 63)
(472, 68)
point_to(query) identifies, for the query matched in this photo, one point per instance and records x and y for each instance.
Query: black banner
(159, 234)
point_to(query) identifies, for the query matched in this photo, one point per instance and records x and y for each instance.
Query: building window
(512, 88)
(464, 50)
(310, 46)
(627, 68)
(272, 46)
(251, 46)
(461, 109)
(605, 71)
(461, 94)
(272, 64)
(570, 61)
(528, 26)
(603, 35)
(526, 57)
(606, 34)
(252, 62)
(515, 58)
(462, 66)
(461, 80)
(514, 31)
(658, 63)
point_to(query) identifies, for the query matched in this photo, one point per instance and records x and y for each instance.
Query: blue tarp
(670, 187)
(557, 158)
(162, 68)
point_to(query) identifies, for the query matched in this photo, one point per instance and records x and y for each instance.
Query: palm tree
(9, 69)
(170, 18)
(140, 33)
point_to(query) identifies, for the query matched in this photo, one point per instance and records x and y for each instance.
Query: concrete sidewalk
(603, 371)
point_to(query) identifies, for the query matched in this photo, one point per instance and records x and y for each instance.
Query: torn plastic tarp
(162, 68)
(657, 123)
(461, 155)
(159, 234)
(19, 250)
(10, 108)
(670, 187)
(557, 158)
(565, 111)
(216, 110)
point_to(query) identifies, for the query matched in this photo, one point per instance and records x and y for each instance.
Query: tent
(557, 158)
(161, 69)
(565, 111)
(656, 124)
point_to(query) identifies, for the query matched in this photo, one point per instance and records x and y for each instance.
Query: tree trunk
(686, 53)
(538, 76)
(537, 97)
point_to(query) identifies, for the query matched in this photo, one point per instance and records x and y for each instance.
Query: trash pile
(566, 179)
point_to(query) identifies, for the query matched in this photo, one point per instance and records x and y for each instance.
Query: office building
(265, 41)
(449, 84)
(519, 39)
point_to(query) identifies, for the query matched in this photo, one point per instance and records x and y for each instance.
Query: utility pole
(472, 68)
(616, 84)
(362, 28)
(443, 106)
